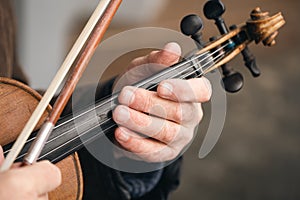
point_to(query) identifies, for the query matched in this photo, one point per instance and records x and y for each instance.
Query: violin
(18, 100)
(17, 104)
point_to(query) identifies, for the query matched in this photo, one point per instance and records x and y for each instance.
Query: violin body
(17, 102)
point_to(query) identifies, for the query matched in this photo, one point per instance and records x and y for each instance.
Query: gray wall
(46, 25)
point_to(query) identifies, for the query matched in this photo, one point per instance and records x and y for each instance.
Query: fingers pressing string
(192, 90)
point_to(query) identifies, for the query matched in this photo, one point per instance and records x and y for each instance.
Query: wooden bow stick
(94, 31)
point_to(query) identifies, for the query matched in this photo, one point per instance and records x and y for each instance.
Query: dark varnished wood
(17, 102)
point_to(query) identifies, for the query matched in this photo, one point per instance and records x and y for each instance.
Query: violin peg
(252, 66)
(233, 82)
(250, 62)
(213, 9)
(191, 25)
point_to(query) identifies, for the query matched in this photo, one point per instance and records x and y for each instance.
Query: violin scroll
(261, 27)
(264, 28)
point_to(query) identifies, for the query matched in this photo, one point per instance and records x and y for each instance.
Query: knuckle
(154, 156)
(146, 99)
(148, 103)
(135, 146)
(205, 96)
(141, 100)
(152, 55)
(185, 113)
(185, 134)
(189, 112)
(198, 113)
(161, 155)
(169, 133)
(178, 114)
(173, 153)
(184, 138)
(188, 137)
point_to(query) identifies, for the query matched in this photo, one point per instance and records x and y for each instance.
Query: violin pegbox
(233, 81)
(259, 28)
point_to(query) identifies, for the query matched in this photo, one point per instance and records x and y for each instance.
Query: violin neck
(72, 133)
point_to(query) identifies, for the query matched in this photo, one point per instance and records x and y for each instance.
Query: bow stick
(94, 31)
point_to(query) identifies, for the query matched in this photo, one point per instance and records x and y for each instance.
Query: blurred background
(258, 153)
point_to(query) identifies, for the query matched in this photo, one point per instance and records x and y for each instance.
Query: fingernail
(122, 115)
(166, 89)
(123, 136)
(127, 96)
(173, 47)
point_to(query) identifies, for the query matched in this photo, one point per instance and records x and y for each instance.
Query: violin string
(183, 76)
(113, 97)
(187, 61)
(103, 131)
(112, 126)
(176, 67)
(173, 69)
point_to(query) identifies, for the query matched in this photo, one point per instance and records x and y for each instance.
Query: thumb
(169, 55)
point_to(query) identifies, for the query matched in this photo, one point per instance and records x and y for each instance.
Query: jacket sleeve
(103, 182)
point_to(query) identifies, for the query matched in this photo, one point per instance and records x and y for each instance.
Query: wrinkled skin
(154, 125)
(157, 125)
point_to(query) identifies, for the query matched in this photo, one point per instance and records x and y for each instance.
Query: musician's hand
(156, 126)
(30, 182)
